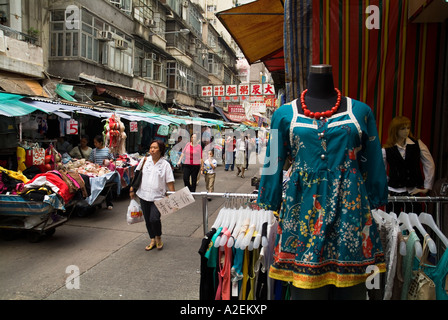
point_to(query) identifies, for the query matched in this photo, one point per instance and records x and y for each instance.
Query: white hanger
(236, 229)
(248, 237)
(243, 229)
(427, 219)
(406, 224)
(413, 217)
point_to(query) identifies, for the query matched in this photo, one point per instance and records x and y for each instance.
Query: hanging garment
(327, 235)
(437, 273)
(408, 261)
(206, 285)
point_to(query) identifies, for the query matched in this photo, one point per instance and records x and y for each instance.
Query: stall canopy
(11, 106)
(257, 28)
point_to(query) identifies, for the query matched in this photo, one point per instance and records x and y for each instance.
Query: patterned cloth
(326, 231)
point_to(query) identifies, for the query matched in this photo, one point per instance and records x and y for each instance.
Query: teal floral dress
(326, 232)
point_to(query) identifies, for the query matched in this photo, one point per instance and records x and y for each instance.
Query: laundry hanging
(236, 254)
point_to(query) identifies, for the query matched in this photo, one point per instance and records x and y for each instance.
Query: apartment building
(137, 53)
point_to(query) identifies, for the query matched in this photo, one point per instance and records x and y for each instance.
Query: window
(123, 5)
(87, 41)
(148, 64)
(214, 65)
(181, 78)
(4, 12)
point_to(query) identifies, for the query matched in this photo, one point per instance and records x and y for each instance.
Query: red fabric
(55, 179)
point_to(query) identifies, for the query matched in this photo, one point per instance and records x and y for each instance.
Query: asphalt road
(109, 256)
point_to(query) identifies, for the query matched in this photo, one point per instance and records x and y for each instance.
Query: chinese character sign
(256, 89)
(219, 91)
(207, 91)
(231, 90)
(268, 89)
(243, 90)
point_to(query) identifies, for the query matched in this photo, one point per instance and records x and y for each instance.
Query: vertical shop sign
(133, 126)
(72, 127)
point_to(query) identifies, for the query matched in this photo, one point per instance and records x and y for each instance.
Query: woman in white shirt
(157, 175)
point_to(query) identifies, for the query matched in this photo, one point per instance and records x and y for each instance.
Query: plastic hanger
(406, 225)
(413, 217)
(427, 219)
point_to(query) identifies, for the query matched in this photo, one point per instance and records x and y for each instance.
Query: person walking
(209, 172)
(193, 162)
(157, 176)
(241, 160)
(229, 154)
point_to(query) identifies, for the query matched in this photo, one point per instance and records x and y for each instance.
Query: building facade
(137, 53)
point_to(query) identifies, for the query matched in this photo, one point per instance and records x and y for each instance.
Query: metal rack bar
(205, 195)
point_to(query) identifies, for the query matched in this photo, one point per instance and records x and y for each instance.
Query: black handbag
(137, 180)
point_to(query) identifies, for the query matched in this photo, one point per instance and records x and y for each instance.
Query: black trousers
(191, 171)
(152, 218)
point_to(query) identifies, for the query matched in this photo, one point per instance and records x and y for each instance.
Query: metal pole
(205, 211)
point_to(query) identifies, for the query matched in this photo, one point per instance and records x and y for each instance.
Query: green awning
(152, 108)
(65, 91)
(11, 106)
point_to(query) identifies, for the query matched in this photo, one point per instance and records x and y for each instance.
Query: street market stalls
(32, 126)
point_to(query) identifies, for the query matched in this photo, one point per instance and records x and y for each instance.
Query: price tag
(133, 126)
(72, 127)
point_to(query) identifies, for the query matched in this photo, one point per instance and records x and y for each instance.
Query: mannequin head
(321, 95)
(399, 130)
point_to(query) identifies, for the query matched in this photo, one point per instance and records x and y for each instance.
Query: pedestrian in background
(241, 159)
(192, 162)
(157, 176)
(209, 172)
(229, 154)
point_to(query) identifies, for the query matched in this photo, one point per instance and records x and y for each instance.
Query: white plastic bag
(135, 213)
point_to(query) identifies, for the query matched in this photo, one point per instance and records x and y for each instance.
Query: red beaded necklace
(318, 115)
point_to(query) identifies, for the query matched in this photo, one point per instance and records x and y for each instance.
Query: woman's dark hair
(99, 138)
(160, 144)
(84, 136)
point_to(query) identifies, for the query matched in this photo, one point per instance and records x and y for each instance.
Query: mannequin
(321, 93)
(404, 154)
(326, 223)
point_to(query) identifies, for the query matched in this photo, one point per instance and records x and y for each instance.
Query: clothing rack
(228, 195)
(438, 201)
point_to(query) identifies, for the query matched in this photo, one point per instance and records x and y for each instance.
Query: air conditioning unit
(151, 56)
(150, 23)
(121, 44)
(105, 35)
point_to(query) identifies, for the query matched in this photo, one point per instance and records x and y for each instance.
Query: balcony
(20, 53)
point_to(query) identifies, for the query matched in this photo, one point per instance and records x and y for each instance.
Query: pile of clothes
(68, 184)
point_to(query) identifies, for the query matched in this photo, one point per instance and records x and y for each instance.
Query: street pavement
(110, 255)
